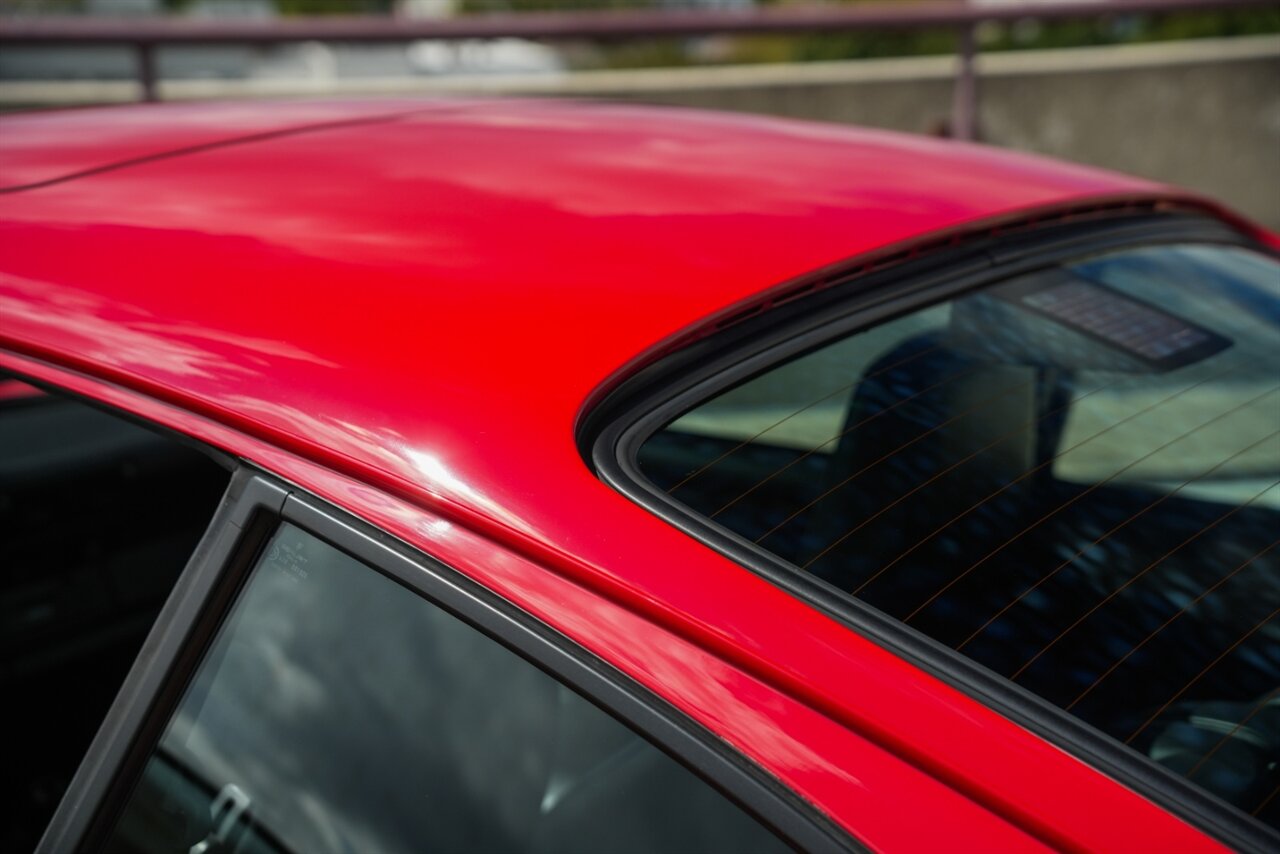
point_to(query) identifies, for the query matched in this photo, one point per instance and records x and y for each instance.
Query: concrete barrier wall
(1202, 114)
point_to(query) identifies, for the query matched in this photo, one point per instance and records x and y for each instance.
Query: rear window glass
(1072, 477)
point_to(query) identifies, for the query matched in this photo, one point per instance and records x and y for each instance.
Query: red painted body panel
(406, 316)
(822, 760)
(60, 144)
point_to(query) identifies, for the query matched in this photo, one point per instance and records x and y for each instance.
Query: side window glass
(339, 711)
(98, 516)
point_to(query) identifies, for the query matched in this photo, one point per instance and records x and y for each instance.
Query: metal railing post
(964, 96)
(145, 53)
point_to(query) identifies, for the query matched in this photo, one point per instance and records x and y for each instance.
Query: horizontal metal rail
(145, 34)
(592, 25)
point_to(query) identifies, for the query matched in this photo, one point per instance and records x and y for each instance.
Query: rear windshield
(1072, 477)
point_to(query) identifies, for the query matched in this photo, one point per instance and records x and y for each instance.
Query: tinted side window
(1072, 477)
(339, 711)
(97, 519)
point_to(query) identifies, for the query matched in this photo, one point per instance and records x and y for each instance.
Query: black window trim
(254, 506)
(173, 648)
(610, 435)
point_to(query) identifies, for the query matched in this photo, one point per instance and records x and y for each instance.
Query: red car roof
(422, 297)
(451, 280)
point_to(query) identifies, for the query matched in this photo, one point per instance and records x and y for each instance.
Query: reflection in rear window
(1072, 477)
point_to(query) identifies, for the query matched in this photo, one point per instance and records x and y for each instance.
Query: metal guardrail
(146, 34)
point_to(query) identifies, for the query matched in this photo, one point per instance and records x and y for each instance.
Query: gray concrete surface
(1203, 114)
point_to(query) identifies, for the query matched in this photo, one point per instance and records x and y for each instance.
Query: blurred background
(1184, 91)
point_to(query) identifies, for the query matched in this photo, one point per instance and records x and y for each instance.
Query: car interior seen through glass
(339, 711)
(98, 517)
(1071, 477)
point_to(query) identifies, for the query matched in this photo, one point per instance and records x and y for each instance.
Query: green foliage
(326, 7)
(1028, 34)
(310, 7)
(1119, 29)
(333, 7)
(830, 46)
(647, 53)
(482, 6)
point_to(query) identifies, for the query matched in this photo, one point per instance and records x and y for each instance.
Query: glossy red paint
(405, 313)
(830, 765)
(58, 145)
(16, 390)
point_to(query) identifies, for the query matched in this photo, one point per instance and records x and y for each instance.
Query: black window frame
(224, 460)
(610, 435)
(255, 504)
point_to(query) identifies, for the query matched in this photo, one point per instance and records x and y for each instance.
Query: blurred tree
(334, 7)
